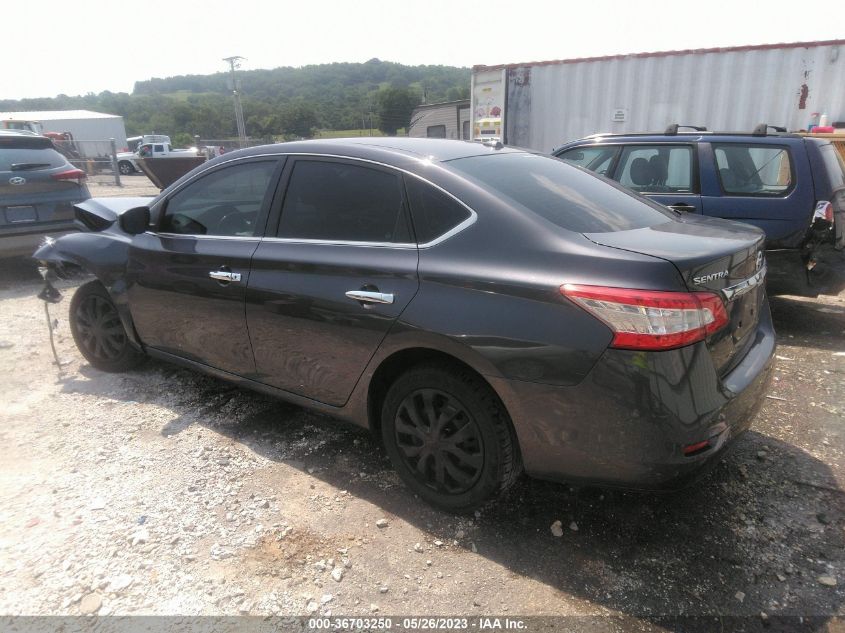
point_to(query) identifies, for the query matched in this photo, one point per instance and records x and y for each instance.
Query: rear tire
(449, 437)
(98, 331)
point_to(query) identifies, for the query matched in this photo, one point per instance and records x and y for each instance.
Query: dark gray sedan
(38, 188)
(482, 310)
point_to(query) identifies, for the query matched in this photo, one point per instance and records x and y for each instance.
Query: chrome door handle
(365, 296)
(221, 275)
(680, 206)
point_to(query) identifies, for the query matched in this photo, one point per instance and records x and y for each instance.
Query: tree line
(278, 103)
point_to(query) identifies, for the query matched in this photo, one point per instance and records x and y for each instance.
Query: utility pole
(235, 62)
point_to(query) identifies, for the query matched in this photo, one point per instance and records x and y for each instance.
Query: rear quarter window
(834, 166)
(754, 170)
(571, 198)
(433, 212)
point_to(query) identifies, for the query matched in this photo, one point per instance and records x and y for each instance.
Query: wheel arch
(104, 256)
(400, 361)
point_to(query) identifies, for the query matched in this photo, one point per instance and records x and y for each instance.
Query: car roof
(382, 147)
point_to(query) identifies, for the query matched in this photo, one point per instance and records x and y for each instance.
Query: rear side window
(570, 198)
(753, 170)
(834, 165)
(656, 168)
(597, 159)
(433, 212)
(344, 203)
(225, 202)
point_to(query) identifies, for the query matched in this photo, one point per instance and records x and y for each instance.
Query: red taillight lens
(651, 319)
(824, 211)
(70, 174)
(695, 449)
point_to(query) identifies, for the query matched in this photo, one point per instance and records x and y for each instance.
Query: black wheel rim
(100, 330)
(439, 441)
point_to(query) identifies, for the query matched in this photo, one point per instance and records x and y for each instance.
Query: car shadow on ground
(15, 271)
(753, 536)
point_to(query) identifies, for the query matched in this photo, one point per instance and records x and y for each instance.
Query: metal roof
(443, 104)
(55, 115)
(690, 51)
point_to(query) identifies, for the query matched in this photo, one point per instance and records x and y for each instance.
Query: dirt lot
(162, 491)
(136, 184)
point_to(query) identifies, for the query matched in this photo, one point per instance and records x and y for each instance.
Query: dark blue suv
(791, 186)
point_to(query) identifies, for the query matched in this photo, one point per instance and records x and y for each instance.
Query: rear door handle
(225, 276)
(681, 206)
(365, 296)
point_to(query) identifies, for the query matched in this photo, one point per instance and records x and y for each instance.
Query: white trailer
(91, 131)
(450, 119)
(541, 105)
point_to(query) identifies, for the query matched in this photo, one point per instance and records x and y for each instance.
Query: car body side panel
(103, 255)
(307, 336)
(629, 420)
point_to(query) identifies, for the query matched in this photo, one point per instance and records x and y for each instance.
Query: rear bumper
(627, 423)
(23, 241)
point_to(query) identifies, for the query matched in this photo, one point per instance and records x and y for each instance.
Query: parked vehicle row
(482, 309)
(38, 188)
(791, 186)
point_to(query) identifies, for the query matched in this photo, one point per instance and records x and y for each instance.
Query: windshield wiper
(28, 166)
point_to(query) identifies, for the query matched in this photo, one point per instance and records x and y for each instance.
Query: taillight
(651, 319)
(824, 211)
(70, 174)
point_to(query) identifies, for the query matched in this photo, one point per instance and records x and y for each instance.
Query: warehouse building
(91, 131)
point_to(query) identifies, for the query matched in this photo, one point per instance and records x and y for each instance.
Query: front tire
(98, 331)
(449, 437)
(125, 168)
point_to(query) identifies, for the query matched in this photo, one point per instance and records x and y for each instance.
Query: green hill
(289, 102)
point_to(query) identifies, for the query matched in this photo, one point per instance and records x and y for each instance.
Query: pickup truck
(161, 149)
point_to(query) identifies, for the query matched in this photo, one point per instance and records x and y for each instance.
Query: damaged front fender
(103, 255)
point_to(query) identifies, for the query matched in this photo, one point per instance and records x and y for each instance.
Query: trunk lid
(711, 255)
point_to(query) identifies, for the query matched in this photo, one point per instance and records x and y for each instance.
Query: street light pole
(234, 62)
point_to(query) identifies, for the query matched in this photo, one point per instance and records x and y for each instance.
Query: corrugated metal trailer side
(549, 103)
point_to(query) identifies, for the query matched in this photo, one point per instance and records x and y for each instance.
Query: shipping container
(91, 131)
(449, 119)
(542, 105)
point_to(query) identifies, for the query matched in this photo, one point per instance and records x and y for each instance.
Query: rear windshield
(569, 197)
(834, 165)
(18, 154)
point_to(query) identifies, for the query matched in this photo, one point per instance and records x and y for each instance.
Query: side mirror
(135, 221)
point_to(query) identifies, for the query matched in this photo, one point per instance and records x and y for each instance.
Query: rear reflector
(70, 174)
(651, 319)
(695, 449)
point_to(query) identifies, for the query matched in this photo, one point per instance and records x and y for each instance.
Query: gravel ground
(162, 491)
(133, 185)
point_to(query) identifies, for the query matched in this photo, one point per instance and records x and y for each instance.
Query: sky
(94, 45)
